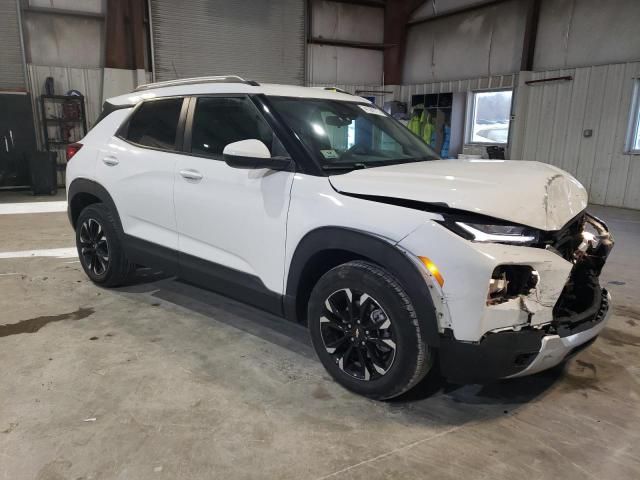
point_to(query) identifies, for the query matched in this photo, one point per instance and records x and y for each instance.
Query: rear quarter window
(107, 109)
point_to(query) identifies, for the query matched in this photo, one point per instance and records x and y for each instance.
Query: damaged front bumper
(508, 354)
(528, 332)
(555, 348)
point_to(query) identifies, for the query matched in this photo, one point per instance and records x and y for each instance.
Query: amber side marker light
(433, 269)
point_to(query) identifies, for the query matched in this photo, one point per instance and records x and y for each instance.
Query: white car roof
(214, 85)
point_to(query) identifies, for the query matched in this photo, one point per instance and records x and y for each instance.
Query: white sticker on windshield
(329, 153)
(371, 110)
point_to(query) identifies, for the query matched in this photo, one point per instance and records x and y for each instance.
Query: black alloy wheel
(357, 333)
(100, 248)
(365, 331)
(94, 246)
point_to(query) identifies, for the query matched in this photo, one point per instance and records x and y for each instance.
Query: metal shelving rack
(66, 116)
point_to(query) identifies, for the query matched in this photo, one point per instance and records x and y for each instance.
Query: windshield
(348, 135)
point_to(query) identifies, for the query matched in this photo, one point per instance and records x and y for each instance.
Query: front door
(231, 222)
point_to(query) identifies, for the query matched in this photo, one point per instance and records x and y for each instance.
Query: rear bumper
(509, 354)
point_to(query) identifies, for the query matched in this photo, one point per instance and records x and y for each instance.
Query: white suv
(315, 205)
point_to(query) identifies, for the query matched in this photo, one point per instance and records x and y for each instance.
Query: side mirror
(253, 154)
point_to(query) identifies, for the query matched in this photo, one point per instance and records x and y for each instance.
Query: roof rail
(195, 80)
(333, 89)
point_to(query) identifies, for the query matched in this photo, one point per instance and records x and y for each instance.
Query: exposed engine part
(511, 281)
(585, 235)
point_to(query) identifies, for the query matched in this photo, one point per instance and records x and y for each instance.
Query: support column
(396, 16)
(530, 35)
(125, 44)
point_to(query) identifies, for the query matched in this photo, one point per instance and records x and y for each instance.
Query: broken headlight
(500, 233)
(488, 231)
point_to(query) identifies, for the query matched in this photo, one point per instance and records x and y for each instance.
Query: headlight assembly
(486, 231)
(500, 233)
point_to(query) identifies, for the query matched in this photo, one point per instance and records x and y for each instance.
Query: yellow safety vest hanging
(427, 127)
(414, 125)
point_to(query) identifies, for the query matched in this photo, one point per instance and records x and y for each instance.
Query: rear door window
(155, 124)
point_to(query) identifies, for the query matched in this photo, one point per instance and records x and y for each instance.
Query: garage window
(633, 137)
(488, 117)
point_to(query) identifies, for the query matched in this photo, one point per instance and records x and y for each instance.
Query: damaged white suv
(315, 205)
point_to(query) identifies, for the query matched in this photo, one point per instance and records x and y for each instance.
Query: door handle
(192, 175)
(110, 161)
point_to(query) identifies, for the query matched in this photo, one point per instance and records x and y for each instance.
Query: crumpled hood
(529, 193)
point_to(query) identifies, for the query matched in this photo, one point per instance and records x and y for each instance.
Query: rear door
(231, 222)
(137, 167)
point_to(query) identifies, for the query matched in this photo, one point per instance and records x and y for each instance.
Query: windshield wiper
(349, 166)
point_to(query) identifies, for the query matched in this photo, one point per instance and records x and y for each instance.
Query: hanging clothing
(444, 153)
(414, 124)
(428, 128)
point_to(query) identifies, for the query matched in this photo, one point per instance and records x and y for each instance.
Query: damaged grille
(585, 242)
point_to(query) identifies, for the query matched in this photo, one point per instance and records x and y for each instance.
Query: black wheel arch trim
(369, 247)
(84, 185)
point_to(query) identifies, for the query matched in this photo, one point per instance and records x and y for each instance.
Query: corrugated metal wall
(87, 81)
(581, 33)
(330, 64)
(262, 40)
(478, 43)
(11, 61)
(552, 118)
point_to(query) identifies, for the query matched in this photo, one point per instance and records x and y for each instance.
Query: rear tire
(99, 247)
(365, 331)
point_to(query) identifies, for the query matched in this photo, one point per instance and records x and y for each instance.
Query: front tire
(99, 247)
(365, 331)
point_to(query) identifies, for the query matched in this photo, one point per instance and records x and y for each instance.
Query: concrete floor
(162, 380)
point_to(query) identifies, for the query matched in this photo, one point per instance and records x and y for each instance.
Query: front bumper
(555, 349)
(509, 354)
(527, 333)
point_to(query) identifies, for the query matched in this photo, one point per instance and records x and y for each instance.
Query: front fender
(376, 249)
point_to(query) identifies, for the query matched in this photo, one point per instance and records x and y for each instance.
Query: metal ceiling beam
(62, 11)
(349, 43)
(365, 3)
